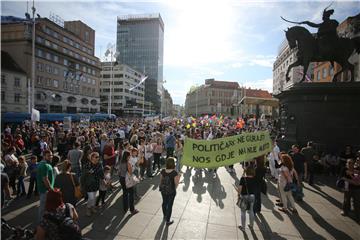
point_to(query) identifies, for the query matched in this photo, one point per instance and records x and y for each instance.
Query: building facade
(257, 102)
(287, 56)
(125, 101)
(14, 97)
(140, 44)
(212, 97)
(167, 104)
(66, 69)
(324, 72)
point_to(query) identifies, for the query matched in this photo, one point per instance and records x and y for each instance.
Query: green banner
(225, 151)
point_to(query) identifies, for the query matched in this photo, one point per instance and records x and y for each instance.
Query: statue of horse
(309, 51)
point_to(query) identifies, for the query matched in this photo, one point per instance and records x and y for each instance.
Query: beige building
(167, 104)
(212, 97)
(67, 71)
(125, 101)
(287, 56)
(257, 102)
(14, 97)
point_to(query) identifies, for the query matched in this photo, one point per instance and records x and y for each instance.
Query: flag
(142, 80)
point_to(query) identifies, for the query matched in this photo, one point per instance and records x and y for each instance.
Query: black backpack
(167, 184)
(68, 229)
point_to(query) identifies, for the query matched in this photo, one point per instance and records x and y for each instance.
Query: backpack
(167, 184)
(68, 229)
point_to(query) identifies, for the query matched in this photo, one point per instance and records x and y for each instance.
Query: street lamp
(112, 52)
(162, 98)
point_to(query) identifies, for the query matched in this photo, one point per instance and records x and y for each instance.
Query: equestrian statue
(325, 46)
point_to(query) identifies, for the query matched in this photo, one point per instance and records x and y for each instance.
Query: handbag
(131, 180)
(77, 190)
(263, 187)
(242, 202)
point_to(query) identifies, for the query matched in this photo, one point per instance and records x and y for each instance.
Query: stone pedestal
(326, 113)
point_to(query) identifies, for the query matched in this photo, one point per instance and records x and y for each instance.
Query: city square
(180, 120)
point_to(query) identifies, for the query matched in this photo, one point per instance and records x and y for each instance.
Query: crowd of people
(66, 165)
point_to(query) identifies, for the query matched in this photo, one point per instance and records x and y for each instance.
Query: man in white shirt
(272, 157)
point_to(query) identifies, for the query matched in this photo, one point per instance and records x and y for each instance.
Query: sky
(222, 39)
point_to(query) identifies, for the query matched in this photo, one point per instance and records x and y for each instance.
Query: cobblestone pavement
(204, 208)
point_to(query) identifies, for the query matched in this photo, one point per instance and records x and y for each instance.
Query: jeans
(31, 187)
(251, 198)
(42, 197)
(91, 199)
(355, 195)
(101, 197)
(257, 203)
(285, 196)
(157, 161)
(21, 186)
(168, 201)
(128, 196)
(178, 163)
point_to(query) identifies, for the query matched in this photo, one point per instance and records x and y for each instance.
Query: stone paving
(204, 208)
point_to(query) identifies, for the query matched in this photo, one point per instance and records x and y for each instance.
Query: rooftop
(257, 93)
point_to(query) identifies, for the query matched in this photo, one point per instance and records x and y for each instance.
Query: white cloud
(254, 60)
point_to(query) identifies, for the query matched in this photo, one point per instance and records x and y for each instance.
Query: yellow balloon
(188, 126)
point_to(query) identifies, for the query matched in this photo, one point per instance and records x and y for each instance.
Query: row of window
(69, 41)
(17, 97)
(78, 76)
(85, 69)
(17, 82)
(48, 82)
(41, 67)
(326, 71)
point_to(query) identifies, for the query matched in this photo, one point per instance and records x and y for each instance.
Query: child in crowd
(23, 168)
(105, 184)
(33, 169)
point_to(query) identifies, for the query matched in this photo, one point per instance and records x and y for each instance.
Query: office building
(140, 44)
(66, 69)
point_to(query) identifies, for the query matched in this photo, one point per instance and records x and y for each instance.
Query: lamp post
(162, 98)
(32, 99)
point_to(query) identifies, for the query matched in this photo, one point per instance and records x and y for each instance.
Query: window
(318, 76)
(56, 83)
(3, 79)
(48, 56)
(84, 69)
(77, 66)
(118, 76)
(331, 71)
(39, 39)
(65, 85)
(55, 34)
(65, 73)
(40, 66)
(76, 55)
(48, 82)
(89, 80)
(66, 62)
(70, 53)
(93, 82)
(77, 45)
(47, 43)
(56, 58)
(324, 74)
(65, 39)
(48, 68)
(39, 53)
(93, 91)
(17, 97)
(16, 82)
(86, 36)
(39, 80)
(65, 50)
(93, 72)
(55, 46)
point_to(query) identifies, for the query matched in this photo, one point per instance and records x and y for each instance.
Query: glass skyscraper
(140, 44)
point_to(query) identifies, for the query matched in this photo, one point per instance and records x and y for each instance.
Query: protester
(74, 156)
(128, 193)
(5, 190)
(246, 190)
(352, 189)
(178, 153)
(22, 174)
(109, 153)
(66, 181)
(93, 173)
(105, 185)
(310, 159)
(33, 172)
(272, 158)
(260, 182)
(300, 166)
(169, 180)
(12, 168)
(45, 180)
(52, 224)
(158, 149)
(148, 157)
(170, 142)
(287, 173)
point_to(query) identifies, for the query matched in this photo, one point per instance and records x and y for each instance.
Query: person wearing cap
(327, 33)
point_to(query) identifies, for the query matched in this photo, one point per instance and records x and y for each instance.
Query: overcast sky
(225, 40)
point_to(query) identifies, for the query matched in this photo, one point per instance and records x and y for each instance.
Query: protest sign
(225, 151)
